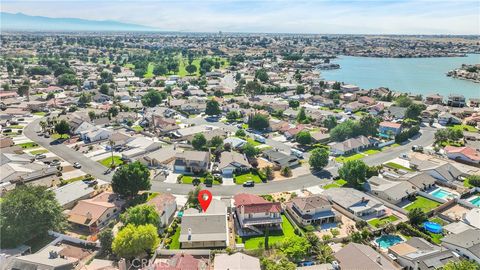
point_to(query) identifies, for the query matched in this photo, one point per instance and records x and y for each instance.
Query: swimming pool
(475, 201)
(386, 241)
(442, 194)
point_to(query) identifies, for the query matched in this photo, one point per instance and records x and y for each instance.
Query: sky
(271, 16)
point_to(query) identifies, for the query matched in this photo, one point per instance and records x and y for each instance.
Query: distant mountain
(20, 21)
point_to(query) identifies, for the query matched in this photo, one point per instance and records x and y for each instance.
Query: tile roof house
(391, 191)
(205, 230)
(351, 145)
(355, 202)
(96, 212)
(466, 243)
(315, 209)
(181, 261)
(233, 162)
(418, 254)
(237, 261)
(358, 256)
(254, 213)
(166, 206)
(192, 162)
(465, 154)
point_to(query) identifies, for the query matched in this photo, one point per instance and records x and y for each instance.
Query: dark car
(249, 184)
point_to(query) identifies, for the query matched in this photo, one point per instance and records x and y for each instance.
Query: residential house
(351, 145)
(311, 210)
(6, 142)
(137, 146)
(359, 256)
(163, 125)
(290, 113)
(456, 100)
(69, 194)
(446, 173)
(387, 129)
(320, 136)
(21, 168)
(391, 191)
(95, 135)
(276, 125)
(160, 157)
(355, 202)
(254, 213)
(465, 154)
(474, 102)
(95, 213)
(434, 99)
(291, 133)
(349, 88)
(367, 100)
(280, 159)
(354, 106)
(181, 261)
(166, 206)
(186, 134)
(233, 162)
(205, 230)
(376, 109)
(418, 254)
(235, 142)
(396, 112)
(422, 181)
(445, 118)
(466, 243)
(192, 162)
(236, 261)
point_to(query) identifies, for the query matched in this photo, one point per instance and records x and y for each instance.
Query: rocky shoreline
(466, 72)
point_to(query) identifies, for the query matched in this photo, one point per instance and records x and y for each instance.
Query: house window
(250, 215)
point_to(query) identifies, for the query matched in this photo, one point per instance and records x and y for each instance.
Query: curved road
(96, 169)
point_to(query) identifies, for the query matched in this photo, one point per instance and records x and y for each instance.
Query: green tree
(413, 110)
(84, 99)
(62, 127)
(253, 87)
(286, 171)
(104, 89)
(160, 69)
(295, 248)
(462, 264)
(67, 79)
(301, 116)
(282, 264)
(141, 214)
(249, 150)
(293, 104)
(416, 216)
(300, 90)
(330, 122)
(354, 172)
(344, 131)
(134, 240)
(50, 96)
(191, 69)
(106, 238)
(152, 98)
(232, 116)
(192, 198)
(403, 101)
(258, 122)
(28, 212)
(129, 179)
(304, 137)
(216, 141)
(213, 107)
(268, 171)
(92, 115)
(324, 253)
(261, 75)
(318, 158)
(240, 133)
(368, 125)
(199, 141)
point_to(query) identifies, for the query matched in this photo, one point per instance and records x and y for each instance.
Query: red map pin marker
(204, 198)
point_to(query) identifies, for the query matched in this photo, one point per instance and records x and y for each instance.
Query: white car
(77, 165)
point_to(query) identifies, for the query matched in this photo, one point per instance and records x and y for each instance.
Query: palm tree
(111, 143)
(324, 253)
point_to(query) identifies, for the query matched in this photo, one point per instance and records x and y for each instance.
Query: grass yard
(28, 145)
(253, 142)
(57, 136)
(380, 222)
(372, 152)
(349, 158)
(464, 128)
(423, 203)
(175, 244)
(129, 65)
(187, 179)
(398, 166)
(274, 237)
(336, 184)
(38, 152)
(137, 128)
(107, 162)
(40, 113)
(438, 220)
(16, 126)
(240, 179)
(436, 237)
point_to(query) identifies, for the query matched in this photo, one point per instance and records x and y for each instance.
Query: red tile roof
(390, 124)
(466, 151)
(255, 204)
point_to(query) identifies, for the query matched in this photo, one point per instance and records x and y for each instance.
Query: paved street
(304, 181)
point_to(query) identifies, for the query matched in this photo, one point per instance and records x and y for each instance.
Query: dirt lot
(343, 228)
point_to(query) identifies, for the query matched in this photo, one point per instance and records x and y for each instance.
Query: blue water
(387, 241)
(442, 194)
(476, 201)
(411, 75)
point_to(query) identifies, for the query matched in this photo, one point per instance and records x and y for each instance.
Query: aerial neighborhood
(107, 140)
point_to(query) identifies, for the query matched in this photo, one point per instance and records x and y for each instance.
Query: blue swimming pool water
(442, 194)
(387, 241)
(476, 201)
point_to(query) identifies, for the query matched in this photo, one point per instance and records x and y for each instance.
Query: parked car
(259, 138)
(46, 135)
(249, 184)
(77, 165)
(297, 153)
(40, 156)
(417, 148)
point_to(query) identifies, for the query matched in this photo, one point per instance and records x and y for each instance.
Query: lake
(410, 75)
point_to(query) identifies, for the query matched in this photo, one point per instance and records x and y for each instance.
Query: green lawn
(40, 151)
(117, 161)
(137, 128)
(129, 65)
(423, 203)
(16, 126)
(245, 126)
(372, 152)
(175, 244)
(349, 158)
(187, 179)
(438, 220)
(464, 128)
(253, 142)
(152, 195)
(436, 237)
(274, 237)
(397, 166)
(336, 184)
(149, 73)
(28, 145)
(380, 222)
(240, 179)
(40, 113)
(58, 136)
